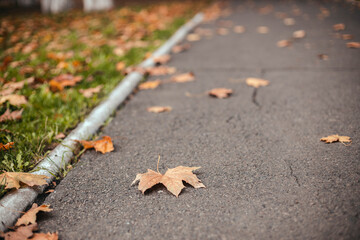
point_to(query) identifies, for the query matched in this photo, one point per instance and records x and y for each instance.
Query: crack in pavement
(293, 175)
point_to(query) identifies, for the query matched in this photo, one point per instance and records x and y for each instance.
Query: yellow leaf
(336, 138)
(103, 145)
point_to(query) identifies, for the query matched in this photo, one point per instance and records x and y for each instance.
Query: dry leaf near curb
(283, 43)
(262, 29)
(14, 99)
(103, 145)
(353, 44)
(238, 29)
(347, 36)
(184, 77)
(30, 216)
(64, 80)
(159, 109)
(45, 236)
(160, 70)
(180, 48)
(60, 136)
(162, 59)
(89, 92)
(149, 85)
(339, 27)
(15, 179)
(289, 21)
(10, 116)
(20, 233)
(323, 57)
(257, 82)
(193, 37)
(6, 146)
(336, 138)
(299, 34)
(220, 92)
(172, 179)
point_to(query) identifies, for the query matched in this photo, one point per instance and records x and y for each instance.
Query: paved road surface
(268, 176)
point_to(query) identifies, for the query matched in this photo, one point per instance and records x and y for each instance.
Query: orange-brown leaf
(13, 179)
(193, 37)
(284, 43)
(257, 82)
(89, 92)
(162, 59)
(149, 85)
(262, 29)
(239, 29)
(220, 92)
(299, 34)
(120, 66)
(103, 145)
(30, 216)
(9, 116)
(161, 70)
(172, 179)
(180, 48)
(336, 138)
(159, 109)
(339, 27)
(353, 44)
(14, 99)
(184, 77)
(20, 233)
(45, 236)
(64, 80)
(6, 146)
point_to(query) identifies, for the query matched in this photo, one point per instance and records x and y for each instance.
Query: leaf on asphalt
(20, 233)
(30, 216)
(89, 92)
(103, 145)
(45, 236)
(120, 66)
(6, 146)
(353, 44)
(299, 34)
(347, 36)
(60, 136)
(14, 179)
(193, 37)
(162, 59)
(10, 116)
(283, 43)
(289, 21)
(323, 57)
(160, 70)
(262, 29)
(184, 77)
(239, 29)
(14, 99)
(172, 179)
(339, 27)
(257, 82)
(159, 109)
(180, 48)
(222, 31)
(220, 92)
(64, 80)
(336, 138)
(149, 85)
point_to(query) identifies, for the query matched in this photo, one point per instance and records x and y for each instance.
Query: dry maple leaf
(184, 77)
(20, 233)
(14, 99)
(172, 179)
(159, 109)
(89, 92)
(299, 34)
(220, 92)
(162, 59)
(103, 145)
(180, 48)
(336, 138)
(339, 27)
(45, 236)
(9, 116)
(149, 85)
(64, 80)
(262, 29)
(284, 43)
(13, 179)
(193, 37)
(30, 216)
(353, 44)
(257, 82)
(161, 70)
(6, 146)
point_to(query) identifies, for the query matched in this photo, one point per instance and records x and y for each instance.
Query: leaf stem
(157, 167)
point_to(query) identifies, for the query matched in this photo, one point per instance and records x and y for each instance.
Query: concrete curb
(14, 202)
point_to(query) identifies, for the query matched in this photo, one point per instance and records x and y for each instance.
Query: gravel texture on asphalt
(267, 174)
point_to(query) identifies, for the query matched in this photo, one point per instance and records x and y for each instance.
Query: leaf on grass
(64, 80)
(103, 145)
(89, 92)
(14, 99)
(353, 44)
(159, 109)
(193, 37)
(289, 21)
(257, 82)
(180, 48)
(60, 136)
(119, 51)
(20, 233)
(9, 116)
(45, 236)
(220, 92)
(284, 43)
(239, 29)
(336, 138)
(10, 87)
(172, 179)
(162, 59)
(299, 34)
(161, 70)
(30, 216)
(149, 85)
(262, 29)
(6, 146)
(120, 66)
(339, 27)
(13, 179)
(184, 77)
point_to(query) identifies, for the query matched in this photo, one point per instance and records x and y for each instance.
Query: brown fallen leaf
(172, 179)
(10, 87)
(149, 85)
(162, 59)
(222, 31)
(353, 44)
(239, 29)
(50, 191)
(45, 236)
(103, 145)
(60, 136)
(262, 29)
(119, 51)
(9, 116)
(64, 80)
(180, 48)
(193, 37)
(14, 99)
(347, 36)
(336, 138)
(299, 34)
(220, 92)
(283, 43)
(184, 77)
(30, 216)
(120, 66)
(159, 109)
(257, 82)
(289, 21)
(160, 70)
(323, 57)
(339, 27)
(13, 179)
(6, 146)
(20, 233)
(89, 92)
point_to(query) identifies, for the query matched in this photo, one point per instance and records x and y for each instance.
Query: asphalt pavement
(266, 172)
